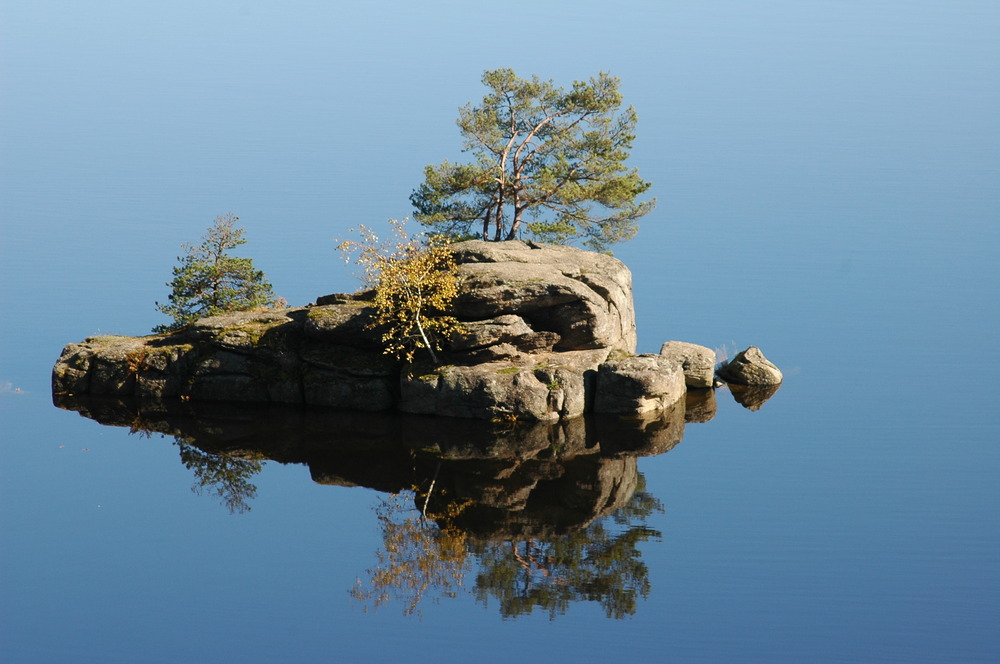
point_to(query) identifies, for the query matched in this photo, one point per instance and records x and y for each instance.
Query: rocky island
(548, 334)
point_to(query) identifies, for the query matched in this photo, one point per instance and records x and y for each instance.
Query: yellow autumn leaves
(415, 280)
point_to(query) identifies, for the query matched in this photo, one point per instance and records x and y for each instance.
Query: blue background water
(827, 176)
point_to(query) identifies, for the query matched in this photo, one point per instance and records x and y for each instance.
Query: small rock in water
(750, 367)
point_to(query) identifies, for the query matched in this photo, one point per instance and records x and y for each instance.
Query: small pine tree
(415, 281)
(209, 281)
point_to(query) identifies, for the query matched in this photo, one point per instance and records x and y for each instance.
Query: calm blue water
(827, 175)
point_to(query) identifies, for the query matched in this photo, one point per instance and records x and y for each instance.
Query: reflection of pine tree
(224, 475)
(597, 564)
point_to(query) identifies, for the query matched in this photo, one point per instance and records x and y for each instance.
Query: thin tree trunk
(486, 223)
(498, 212)
(423, 335)
(431, 490)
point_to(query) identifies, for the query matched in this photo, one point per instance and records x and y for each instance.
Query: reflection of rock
(553, 513)
(538, 497)
(752, 396)
(647, 434)
(521, 479)
(750, 367)
(600, 562)
(700, 405)
(697, 361)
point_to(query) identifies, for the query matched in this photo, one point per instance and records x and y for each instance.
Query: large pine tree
(546, 160)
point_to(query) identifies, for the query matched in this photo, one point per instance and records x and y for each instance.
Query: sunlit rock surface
(750, 367)
(698, 362)
(549, 335)
(638, 384)
(583, 296)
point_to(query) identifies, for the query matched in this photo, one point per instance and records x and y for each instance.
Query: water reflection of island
(552, 513)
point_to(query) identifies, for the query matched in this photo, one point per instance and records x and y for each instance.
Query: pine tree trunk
(516, 225)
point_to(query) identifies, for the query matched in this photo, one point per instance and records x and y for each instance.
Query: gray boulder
(638, 384)
(698, 362)
(496, 391)
(536, 387)
(488, 391)
(750, 367)
(105, 366)
(584, 297)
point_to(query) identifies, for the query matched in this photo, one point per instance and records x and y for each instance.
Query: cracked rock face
(584, 297)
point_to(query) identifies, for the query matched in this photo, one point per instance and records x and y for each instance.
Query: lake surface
(827, 176)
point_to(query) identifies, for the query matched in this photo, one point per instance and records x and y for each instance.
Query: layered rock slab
(582, 296)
